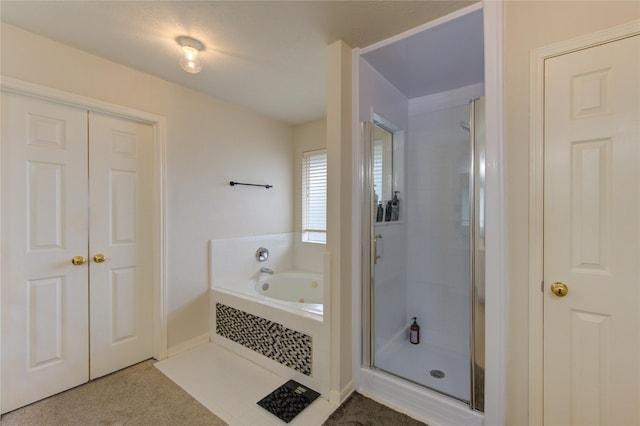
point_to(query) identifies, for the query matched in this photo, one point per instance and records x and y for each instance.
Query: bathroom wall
(233, 260)
(530, 25)
(340, 208)
(209, 143)
(379, 96)
(438, 239)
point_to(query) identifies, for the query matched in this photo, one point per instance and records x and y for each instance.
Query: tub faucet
(266, 270)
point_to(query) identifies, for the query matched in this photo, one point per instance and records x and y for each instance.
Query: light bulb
(190, 62)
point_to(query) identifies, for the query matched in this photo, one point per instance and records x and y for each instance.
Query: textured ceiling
(269, 56)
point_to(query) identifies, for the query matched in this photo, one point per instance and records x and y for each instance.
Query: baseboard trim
(188, 344)
(338, 397)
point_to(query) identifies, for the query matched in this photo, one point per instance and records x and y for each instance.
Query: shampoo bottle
(387, 211)
(380, 212)
(395, 206)
(414, 332)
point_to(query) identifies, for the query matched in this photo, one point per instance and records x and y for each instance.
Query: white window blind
(377, 170)
(314, 196)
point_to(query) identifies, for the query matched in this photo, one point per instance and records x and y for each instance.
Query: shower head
(464, 125)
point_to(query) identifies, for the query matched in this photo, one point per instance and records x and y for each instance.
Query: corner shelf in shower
(394, 222)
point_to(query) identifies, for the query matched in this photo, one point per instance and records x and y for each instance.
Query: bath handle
(262, 254)
(375, 248)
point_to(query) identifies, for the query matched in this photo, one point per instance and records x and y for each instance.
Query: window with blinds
(314, 196)
(377, 170)
(382, 153)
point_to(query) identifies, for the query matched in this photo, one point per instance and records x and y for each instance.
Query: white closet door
(44, 225)
(121, 287)
(73, 185)
(592, 236)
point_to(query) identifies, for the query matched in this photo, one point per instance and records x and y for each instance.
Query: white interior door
(121, 287)
(592, 236)
(44, 225)
(73, 185)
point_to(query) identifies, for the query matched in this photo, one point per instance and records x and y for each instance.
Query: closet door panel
(121, 289)
(44, 226)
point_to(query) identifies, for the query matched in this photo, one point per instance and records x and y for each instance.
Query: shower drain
(438, 374)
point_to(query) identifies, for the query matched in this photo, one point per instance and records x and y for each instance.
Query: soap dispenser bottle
(395, 206)
(380, 212)
(414, 332)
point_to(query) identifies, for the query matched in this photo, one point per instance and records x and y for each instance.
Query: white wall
(438, 261)
(530, 25)
(379, 96)
(340, 205)
(233, 260)
(209, 143)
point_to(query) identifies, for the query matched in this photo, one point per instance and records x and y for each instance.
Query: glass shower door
(422, 263)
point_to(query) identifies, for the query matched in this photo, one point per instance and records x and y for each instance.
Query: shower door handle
(376, 256)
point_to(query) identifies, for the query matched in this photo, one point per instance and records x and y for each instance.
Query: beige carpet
(358, 410)
(138, 395)
(142, 395)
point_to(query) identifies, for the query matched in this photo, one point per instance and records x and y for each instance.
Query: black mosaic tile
(273, 340)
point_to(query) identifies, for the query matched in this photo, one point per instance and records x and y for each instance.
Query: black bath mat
(288, 400)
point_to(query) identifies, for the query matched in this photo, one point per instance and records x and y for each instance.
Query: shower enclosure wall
(426, 259)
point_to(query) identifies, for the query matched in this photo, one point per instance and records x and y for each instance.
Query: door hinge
(542, 286)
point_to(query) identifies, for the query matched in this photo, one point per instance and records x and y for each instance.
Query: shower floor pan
(427, 365)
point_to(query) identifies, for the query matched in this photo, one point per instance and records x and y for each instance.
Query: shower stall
(426, 263)
(421, 108)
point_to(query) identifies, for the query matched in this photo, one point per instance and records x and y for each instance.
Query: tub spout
(266, 270)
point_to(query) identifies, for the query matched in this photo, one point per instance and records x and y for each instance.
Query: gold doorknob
(78, 260)
(559, 289)
(99, 258)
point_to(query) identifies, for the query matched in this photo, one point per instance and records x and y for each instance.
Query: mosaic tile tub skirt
(271, 339)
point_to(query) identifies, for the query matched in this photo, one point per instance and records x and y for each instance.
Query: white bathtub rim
(247, 289)
(307, 310)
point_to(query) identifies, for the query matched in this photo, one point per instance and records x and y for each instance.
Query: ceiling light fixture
(190, 61)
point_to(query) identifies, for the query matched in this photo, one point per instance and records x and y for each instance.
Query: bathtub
(290, 290)
(296, 289)
(276, 321)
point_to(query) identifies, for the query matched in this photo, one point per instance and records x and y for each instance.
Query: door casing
(158, 124)
(536, 197)
(496, 277)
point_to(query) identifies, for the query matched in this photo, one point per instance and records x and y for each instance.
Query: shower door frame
(369, 244)
(369, 255)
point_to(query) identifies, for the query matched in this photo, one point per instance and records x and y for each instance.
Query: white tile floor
(415, 362)
(230, 386)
